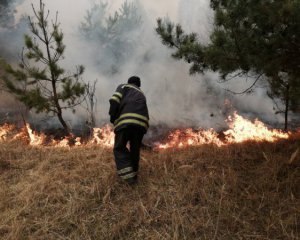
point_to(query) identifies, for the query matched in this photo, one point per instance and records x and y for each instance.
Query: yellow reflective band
(132, 121)
(130, 175)
(115, 99)
(132, 115)
(130, 86)
(118, 94)
(125, 170)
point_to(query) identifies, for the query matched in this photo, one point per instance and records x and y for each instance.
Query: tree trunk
(63, 123)
(53, 76)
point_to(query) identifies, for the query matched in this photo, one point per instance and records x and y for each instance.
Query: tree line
(40, 82)
(257, 40)
(250, 38)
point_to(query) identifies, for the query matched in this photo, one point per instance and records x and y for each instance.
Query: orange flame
(35, 138)
(78, 141)
(240, 130)
(189, 137)
(5, 130)
(61, 143)
(103, 136)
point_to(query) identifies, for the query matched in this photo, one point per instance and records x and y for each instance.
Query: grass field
(241, 191)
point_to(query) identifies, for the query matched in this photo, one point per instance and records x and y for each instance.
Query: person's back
(129, 114)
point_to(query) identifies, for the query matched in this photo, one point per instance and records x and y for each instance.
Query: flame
(35, 138)
(5, 130)
(103, 136)
(78, 141)
(67, 141)
(240, 130)
(61, 143)
(189, 137)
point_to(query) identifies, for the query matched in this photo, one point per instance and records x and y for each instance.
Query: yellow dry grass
(243, 191)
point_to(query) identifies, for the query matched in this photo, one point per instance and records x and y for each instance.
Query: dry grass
(244, 191)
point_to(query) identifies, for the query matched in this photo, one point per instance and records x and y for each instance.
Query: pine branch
(249, 88)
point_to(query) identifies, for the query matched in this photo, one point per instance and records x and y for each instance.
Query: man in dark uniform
(129, 114)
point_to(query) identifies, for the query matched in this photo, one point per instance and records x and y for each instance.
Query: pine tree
(250, 38)
(115, 35)
(40, 82)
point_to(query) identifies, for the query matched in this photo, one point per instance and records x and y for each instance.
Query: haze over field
(174, 97)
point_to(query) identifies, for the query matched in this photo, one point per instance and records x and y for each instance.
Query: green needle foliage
(250, 38)
(40, 82)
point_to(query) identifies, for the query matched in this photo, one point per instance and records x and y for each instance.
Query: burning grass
(238, 191)
(239, 130)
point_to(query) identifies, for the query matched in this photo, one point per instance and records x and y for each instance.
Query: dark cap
(135, 80)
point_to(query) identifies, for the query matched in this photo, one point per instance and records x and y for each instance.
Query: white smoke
(174, 97)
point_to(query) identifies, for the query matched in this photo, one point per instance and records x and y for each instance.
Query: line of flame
(240, 130)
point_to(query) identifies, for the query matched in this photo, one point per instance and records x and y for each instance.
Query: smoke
(174, 97)
(11, 29)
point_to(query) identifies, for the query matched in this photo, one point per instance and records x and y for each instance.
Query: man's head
(135, 80)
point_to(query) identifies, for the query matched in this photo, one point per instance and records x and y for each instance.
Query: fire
(240, 130)
(61, 143)
(78, 141)
(35, 139)
(103, 136)
(190, 137)
(5, 130)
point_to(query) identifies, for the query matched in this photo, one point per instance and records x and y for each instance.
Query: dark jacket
(128, 107)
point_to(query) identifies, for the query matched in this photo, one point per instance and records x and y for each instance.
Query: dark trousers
(127, 160)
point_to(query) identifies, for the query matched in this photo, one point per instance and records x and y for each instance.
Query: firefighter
(129, 114)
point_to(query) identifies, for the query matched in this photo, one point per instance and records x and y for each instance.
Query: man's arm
(115, 101)
(113, 110)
